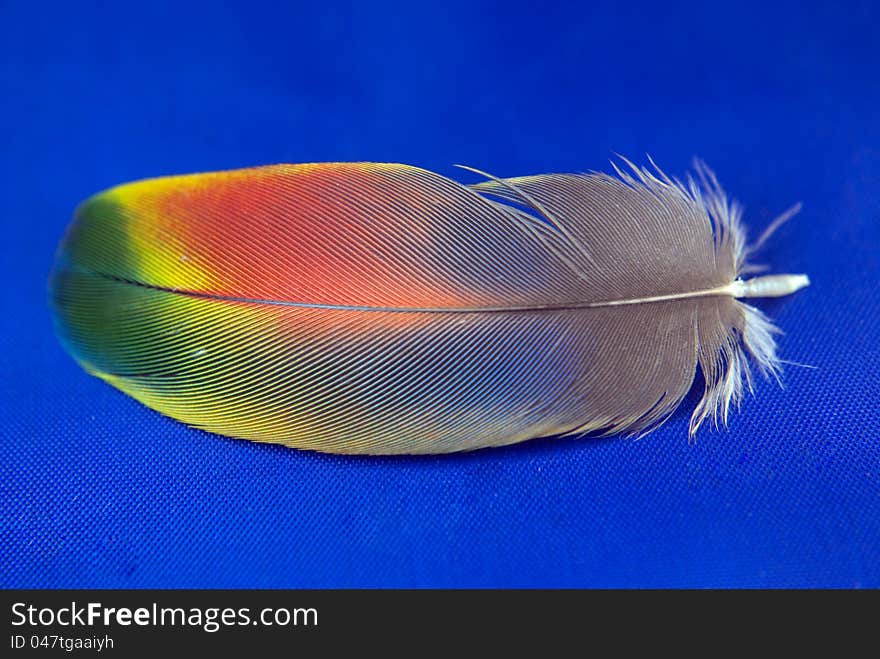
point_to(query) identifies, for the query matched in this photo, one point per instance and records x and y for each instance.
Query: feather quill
(382, 309)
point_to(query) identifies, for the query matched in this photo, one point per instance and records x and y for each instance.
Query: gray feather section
(642, 235)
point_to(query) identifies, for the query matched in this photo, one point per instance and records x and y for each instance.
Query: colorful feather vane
(381, 308)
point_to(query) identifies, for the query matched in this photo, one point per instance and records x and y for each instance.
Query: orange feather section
(336, 234)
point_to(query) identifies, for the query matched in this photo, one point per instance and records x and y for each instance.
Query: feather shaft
(769, 286)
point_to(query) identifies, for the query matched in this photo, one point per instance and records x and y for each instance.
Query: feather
(381, 308)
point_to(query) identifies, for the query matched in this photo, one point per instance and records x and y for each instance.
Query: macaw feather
(381, 308)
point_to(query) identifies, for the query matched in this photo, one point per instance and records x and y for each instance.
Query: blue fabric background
(780, 98)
